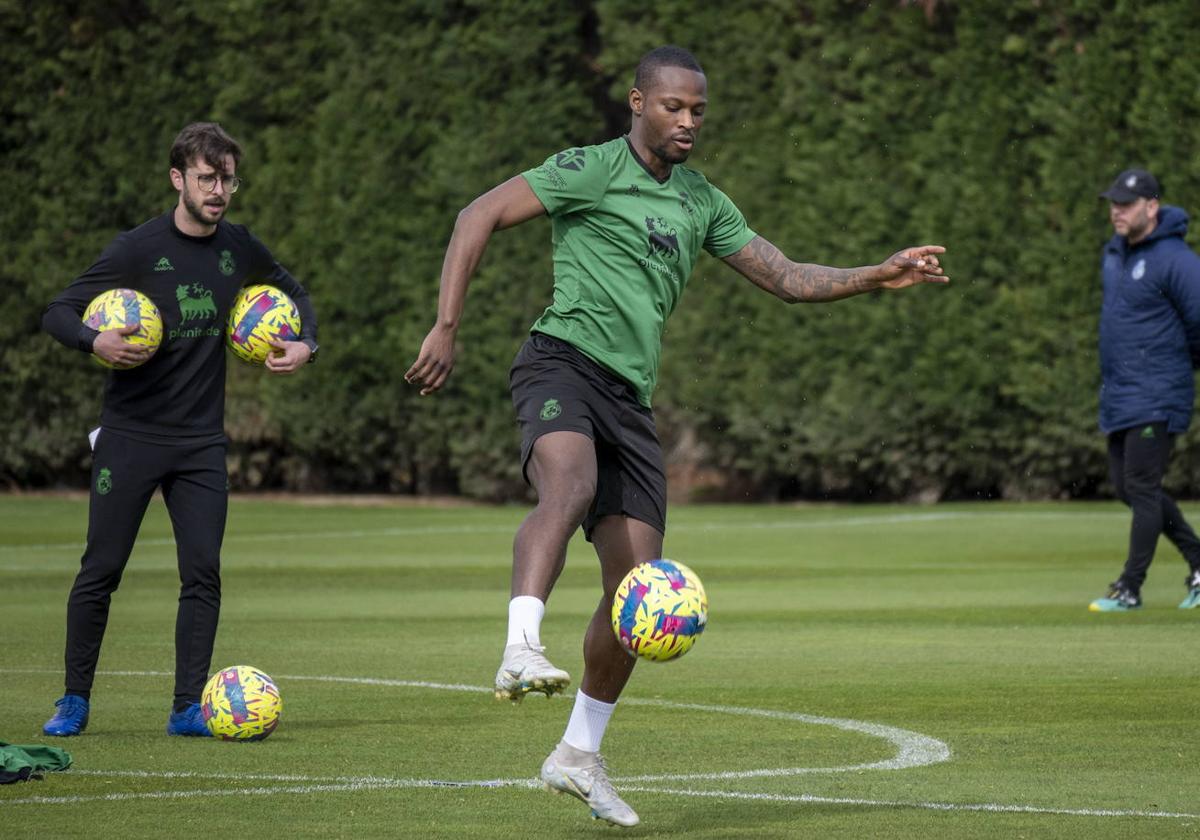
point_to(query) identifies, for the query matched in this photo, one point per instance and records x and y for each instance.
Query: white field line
(912, 748)
(918, 750)
(295, 777)
(993, 807)
(346, 787)
(371, 783)
(701, 527)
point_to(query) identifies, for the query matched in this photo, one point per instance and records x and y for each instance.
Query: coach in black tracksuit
(162, 422)
(1149, 345)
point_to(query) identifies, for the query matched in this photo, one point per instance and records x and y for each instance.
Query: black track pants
(125, 473)
(1137, 462)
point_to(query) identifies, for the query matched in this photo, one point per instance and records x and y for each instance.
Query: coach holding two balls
(162, 422)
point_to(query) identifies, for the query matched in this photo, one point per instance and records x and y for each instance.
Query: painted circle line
(913, 750)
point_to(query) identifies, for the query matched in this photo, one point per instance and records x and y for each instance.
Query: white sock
(525, 620)
(588, 721)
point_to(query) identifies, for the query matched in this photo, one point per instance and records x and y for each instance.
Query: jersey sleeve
(62, 317)
(727, 231)
(264, 268)
(570, 181)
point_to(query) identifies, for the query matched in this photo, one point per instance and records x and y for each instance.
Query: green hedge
(842, 129)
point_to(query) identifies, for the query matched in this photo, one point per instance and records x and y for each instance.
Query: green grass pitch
(846, 647)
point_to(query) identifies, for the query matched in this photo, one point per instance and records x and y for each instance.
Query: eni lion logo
(661, 239)
(195, 302)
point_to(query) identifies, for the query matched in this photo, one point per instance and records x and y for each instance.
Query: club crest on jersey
(550, 410)
(1139, 270)
(227, 265)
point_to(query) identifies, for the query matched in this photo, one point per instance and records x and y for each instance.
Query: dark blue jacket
(1150, 328)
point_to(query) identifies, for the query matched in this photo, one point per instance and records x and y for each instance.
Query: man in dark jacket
(1149, 344)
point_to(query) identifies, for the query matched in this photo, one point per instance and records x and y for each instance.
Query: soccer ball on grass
(241, 704)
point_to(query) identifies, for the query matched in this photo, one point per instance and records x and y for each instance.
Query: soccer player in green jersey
(628, 221)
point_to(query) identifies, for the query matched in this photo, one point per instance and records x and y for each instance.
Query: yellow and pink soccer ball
(241, 704)
(659, 610)
(261, 314)
(118, 308)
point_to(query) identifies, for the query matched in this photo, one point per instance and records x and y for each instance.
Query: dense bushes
(842, 129)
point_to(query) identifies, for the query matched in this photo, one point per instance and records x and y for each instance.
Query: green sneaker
(1193, 597)
(1119, 599)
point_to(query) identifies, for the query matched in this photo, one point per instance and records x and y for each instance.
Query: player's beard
(668, 152)
(663, 152)
(195, 209)
(1139, 230)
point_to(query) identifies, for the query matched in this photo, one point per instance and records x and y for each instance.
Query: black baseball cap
(1131, 185)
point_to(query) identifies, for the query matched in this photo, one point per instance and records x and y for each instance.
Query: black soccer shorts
(555, 388)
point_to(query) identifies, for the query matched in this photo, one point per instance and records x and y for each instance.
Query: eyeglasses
(208, 182)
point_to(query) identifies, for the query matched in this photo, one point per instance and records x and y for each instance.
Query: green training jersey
(625, 244)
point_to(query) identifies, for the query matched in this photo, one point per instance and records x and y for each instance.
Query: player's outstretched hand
(290, 356)
(112, 347)
(912, 266)
(435, 361)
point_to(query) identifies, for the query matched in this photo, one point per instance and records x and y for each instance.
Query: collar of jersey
(642, 163)
(175, 229)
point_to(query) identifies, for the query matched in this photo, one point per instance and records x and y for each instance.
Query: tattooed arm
(765, 266)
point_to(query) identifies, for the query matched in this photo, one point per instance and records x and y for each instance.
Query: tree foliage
(843, 129)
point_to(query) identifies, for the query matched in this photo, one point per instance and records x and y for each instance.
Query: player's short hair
(658, 58)
(204, 140)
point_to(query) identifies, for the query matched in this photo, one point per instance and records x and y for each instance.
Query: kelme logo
(104, 481)
(164, 264)
(573, 159)
(227, 264)
(550, 410)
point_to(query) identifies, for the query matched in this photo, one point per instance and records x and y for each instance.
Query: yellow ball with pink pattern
(261, 314)
(118, 308)
(659, 610)
(241, 704)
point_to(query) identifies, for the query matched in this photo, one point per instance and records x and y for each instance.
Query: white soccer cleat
(526, 669)
(585, 776)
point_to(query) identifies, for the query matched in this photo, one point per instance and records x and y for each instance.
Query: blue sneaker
(1119, 599)
(71, 717)
(188, 722)
(1193, 597)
